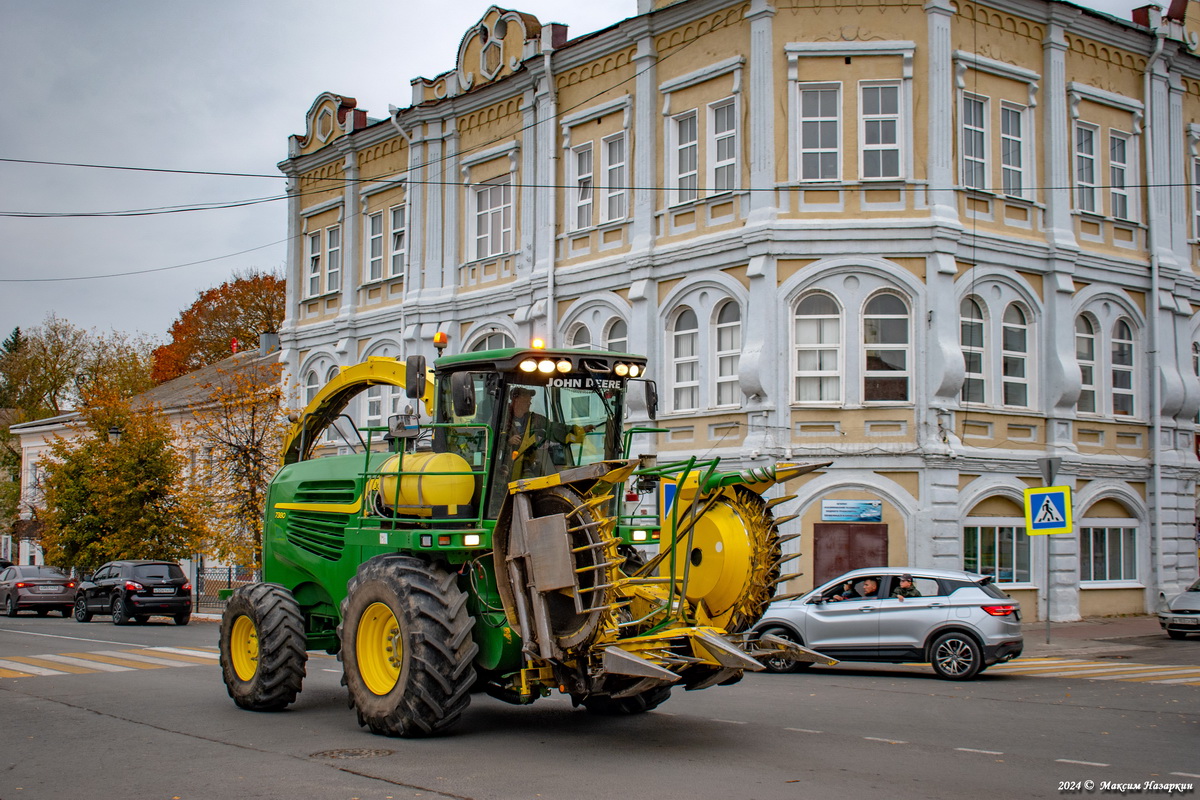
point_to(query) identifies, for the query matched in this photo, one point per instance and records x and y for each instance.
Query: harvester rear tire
(262, 647)
(407, 651)
(606, 705)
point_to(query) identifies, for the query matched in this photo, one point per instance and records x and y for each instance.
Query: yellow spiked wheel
(379, 648)
(243, 647)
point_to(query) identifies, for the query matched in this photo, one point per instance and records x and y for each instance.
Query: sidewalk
(1087, 638)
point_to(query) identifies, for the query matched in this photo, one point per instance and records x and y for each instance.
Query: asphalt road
(168, 730)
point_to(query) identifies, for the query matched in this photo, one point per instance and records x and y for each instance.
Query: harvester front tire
(606, 705)
(407, 650)
(262, 647)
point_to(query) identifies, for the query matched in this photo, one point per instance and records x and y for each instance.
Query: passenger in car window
(905, 588)
(868, 588)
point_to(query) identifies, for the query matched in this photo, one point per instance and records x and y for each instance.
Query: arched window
(1085, 355)
(1015, 356)
(1108, 543)
(728, 351)
(886, 346)
(496, 340)
(1122, 369)
(312, 384)
(971, 337)
(617, 339)
(685, 361)
(816, 372)
(581, 338)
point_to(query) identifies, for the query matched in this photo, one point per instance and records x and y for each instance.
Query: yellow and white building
(931, 242)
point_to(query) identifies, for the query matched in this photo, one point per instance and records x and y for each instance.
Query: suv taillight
(187, 587)
(133, 586)
(999, 611)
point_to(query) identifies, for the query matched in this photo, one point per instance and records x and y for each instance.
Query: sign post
(1048, 512)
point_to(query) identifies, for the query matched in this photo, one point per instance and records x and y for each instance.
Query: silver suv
(958, 621)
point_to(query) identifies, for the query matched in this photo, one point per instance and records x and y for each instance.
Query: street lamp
(114, 435)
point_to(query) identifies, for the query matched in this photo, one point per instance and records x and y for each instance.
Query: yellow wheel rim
(243, 647)
(379, 649)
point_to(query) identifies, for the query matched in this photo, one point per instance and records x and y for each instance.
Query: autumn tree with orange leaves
(237, 310)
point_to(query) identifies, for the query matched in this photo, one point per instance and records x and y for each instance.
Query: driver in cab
(539, 445)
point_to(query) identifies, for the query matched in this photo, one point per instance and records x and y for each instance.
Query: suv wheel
(119, 615)
(781, 665)
(81, 610)
(956, 657)
(10, 606)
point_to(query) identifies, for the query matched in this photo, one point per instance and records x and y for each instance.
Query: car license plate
(164, 590)
(1186, 621)
(50, 589)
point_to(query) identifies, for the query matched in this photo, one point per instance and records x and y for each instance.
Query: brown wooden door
(842, 546)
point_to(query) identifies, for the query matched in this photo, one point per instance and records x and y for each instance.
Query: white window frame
(973, 166)
(819, 121)
(373, 405)
(1120, 175)
(374, 249)
(905, 347)
(397, 239)
(1014, 155)
(313, 258)
(726, 358)
(1020, 545)
(978, 350)
(687, 390)
(583, 182)
(866, 121)
(610, 341)
(1127, 544)
(1085, 190)
(333, 258)
(1088, 367)
(684, 183)
(493, 205)
(1196, 198)
(616, 191)
(821, 378)
(1127, 394)
(722, 172)
(1011, 359)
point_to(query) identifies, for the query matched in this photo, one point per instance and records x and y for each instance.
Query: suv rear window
(157, 572)
(991, 590)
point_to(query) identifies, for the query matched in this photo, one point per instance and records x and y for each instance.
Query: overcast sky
(214, 86)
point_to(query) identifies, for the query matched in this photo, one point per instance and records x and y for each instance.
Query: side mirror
(87, 576)
(816, 601)
(414, 376)
(652, 399)
(404, 426)
(462, 392)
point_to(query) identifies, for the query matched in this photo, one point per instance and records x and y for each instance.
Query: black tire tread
(437, 673)
(282, 657)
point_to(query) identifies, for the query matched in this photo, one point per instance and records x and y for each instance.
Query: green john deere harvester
(480, 546)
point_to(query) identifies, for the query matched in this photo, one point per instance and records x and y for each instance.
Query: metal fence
(215, 584)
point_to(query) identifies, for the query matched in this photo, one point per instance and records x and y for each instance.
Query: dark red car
(40, 588)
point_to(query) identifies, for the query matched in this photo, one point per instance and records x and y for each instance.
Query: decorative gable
(330, 117)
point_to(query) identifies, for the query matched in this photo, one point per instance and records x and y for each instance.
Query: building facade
(931, 243)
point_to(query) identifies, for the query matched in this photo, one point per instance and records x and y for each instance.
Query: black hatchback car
(135, 590)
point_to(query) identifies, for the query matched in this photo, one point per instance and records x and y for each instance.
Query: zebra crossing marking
(53, 664)
(1102, 671)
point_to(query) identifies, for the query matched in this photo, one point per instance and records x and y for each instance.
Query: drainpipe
(1155, 326)
(552, 222)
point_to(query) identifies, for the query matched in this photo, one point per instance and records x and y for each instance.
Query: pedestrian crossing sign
(1048, 510)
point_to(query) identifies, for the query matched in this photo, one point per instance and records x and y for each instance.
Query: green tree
(106, 500)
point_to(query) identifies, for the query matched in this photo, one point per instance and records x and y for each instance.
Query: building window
(617, 339)
(374, 405)
(971, 338)
(1108, 554)
(817, 373)
(685, 359)
(729, 348)
(880, 131)
(1196, 197)
(375, 246)
(333, 256)
(493, 219)
(1085, 354)
(685, 158)
(1085, 167)
(615, 191)
(1014, 356)
(1118, 167)
(1001, 551)
(314, 264)
(1012, 149)
(820, 133)
(974, 142)
(1122, 369)
(723, 146)
(885, 350)
(399, 221)
(312, 384)
(496, 340)
(581, 338)
(582, 162)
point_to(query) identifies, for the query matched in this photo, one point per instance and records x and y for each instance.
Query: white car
(1180, 615)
